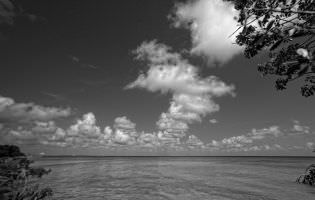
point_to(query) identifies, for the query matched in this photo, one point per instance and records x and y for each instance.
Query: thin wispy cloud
(56, 97)
(80, 63)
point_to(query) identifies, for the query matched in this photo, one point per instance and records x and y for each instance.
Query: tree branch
(286, 11)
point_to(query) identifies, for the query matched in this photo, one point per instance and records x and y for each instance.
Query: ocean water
(180, 178)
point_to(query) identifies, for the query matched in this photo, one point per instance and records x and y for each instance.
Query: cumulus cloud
(166, 122)
(26, 112)
(86, 126)
(192, 95)
(149, 140)
(253, 141)
(41, 127)
(125, 132)
(211, 23)
(193, 142)
(310, 145)
(299, 129)
(124, 123)
(123, 136)
(246, 142)
(83, 133)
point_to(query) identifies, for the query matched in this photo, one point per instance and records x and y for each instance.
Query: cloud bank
(86, 133)
(211, 22)
(27, 112)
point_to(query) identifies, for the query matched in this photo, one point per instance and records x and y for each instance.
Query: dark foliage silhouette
(286, 28)
(309, 176)
(18, 180)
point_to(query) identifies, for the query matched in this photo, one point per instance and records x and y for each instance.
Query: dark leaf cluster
(286, 28)
(18, 179)
(308, 177)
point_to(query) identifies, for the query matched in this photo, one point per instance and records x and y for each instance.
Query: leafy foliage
(287, 29)
(309, 176)
(18, 180)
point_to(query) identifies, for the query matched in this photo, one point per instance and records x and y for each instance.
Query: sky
(141, 77)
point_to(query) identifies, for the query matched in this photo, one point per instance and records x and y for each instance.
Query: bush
(309, 176)
(18, 180)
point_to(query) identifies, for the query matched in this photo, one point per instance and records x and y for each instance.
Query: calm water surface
(180, 178)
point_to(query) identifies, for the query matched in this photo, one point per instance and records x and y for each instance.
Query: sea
(177, 178)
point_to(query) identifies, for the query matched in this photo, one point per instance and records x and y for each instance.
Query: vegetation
(308, 177)
(18, 180)
(287, 29)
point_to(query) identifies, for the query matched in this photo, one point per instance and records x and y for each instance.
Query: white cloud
(310, 145)
(169, 72)
(124, 123)
(43, 127)
(22, 136)
(107, 132)
(247, 141)
(85, 127)
(210, 22)
(148, 140)
(167, 123)
(192, 94)
(262, 139)
(193, 142)
(265, 132)
(122, 137)
(213, 121)
(26, 112)
(300, 129)
(125, 132)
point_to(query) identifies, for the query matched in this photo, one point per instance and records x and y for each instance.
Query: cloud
(300, 129)
(171, 137)
(273, 131)
(169, 72)
(148, 140)
(192, 95)
(213, 121)
(170, 124)
(253, 141)
(125, 132)
(210, 22)
(124, 123)
(26, 112)
(243, 142)
(193, 142)
(108, 131)
(7, 12)
(10, 10)
(85, 127)
(78, 61)
(310, 145)
(42, 127)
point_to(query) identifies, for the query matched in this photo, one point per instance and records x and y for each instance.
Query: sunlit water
(181, 178)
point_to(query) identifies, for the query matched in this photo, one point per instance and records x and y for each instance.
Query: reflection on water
(158, 178)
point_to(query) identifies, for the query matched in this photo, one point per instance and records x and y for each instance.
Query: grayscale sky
(141, 77)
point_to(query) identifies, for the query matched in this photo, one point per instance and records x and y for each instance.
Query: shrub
(18, 180)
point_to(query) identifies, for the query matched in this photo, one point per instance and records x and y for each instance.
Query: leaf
(270, 25)
(275, 45)
(303, 71)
